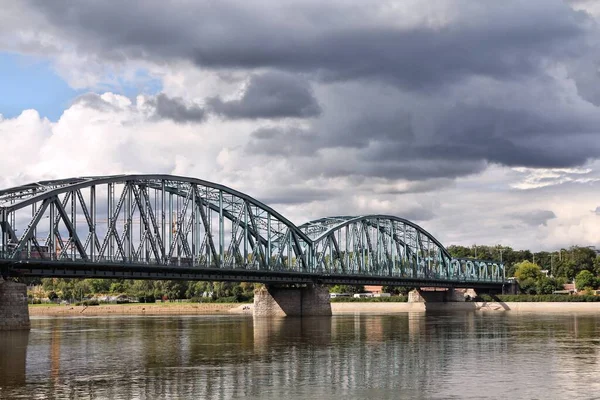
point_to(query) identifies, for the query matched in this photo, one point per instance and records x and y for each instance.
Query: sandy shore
(133, 309)
(336, 308)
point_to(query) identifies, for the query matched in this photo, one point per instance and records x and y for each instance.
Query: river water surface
(400, 356)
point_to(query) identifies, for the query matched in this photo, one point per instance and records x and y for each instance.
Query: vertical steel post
(268, 240)
(347, 256)
(74, 223)
(52, 244)
(245, 235)
(93, 223)
(194, 230)
(163, 220)
(170, 226)
(208, 229)
(178, 222)
(111, 220)
(128, 224)
(4, 238)
(221, 229)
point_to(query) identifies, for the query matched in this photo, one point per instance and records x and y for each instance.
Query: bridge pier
(278, 301)
(440, 296)
(14, 311)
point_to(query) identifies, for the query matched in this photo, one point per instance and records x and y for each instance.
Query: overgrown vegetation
(92, 291)
(538, 298)
(579, 264)
(392, 299)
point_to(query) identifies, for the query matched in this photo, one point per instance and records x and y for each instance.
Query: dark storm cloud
(176, 109)
(535, 217)
(335, 41)
(271, 95)
(543, 49)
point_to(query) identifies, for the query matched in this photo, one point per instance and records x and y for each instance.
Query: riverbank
(133, 309)
(337, 308)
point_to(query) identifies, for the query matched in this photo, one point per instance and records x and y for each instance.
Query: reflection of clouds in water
(406, 355)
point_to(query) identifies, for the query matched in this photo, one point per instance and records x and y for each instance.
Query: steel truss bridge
(171, 227)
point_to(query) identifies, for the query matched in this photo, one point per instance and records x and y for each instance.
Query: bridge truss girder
(388, 246)
(156, 220)
(169, 227)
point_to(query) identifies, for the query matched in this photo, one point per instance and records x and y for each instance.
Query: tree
(585, 279)
(597, 265)
(547, 285)
(527, 270)
(98, 286)
(347, 289)
(175, 290)
(528, 286)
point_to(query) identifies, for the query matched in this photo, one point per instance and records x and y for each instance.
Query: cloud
(271, 95)
(335, 41)
(464, 114)
(176, 109)
(535, 217)
(94, 101)
(597, 210)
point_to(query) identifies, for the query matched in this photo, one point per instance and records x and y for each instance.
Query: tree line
(144, 291)
(578, 264)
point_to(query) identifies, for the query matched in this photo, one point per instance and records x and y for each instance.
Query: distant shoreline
(338, 308)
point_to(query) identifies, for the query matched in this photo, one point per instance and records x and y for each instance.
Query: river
(467, 355)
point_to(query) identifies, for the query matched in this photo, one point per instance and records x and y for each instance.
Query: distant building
(373, 289)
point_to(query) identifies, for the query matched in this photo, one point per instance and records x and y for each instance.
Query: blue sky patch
(31, 83)
(28, 82)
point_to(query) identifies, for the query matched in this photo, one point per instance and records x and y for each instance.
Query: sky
(480, 121)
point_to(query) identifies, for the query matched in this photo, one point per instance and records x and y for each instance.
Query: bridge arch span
(377, 245)
(147, 219)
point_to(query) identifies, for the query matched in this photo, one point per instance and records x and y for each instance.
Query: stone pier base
(14, 312)
(441, 296)
(273, 301)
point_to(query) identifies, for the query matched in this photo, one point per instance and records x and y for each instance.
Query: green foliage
(145, 291)
(546, 285)
(585, 279)
(347, 289)
(392, 299)
(88, 303)
(526, 270)
(545, 298)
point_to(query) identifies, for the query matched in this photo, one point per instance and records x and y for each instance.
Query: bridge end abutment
(278, 301)
(14, 311)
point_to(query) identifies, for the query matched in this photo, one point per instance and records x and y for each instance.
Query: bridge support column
(276, 301)
(441, 296)
(14, 312)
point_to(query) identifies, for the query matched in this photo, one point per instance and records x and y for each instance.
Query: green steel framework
(163, 226)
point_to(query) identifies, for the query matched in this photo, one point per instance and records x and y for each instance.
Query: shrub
(541, 298)
(147, 299)
(392, 299)
(88, 303)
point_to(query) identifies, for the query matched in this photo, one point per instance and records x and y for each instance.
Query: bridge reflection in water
(355, 356)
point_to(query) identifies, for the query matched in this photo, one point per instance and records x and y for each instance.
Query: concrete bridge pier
(440, 296)
(14, 312)
(280, 301)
